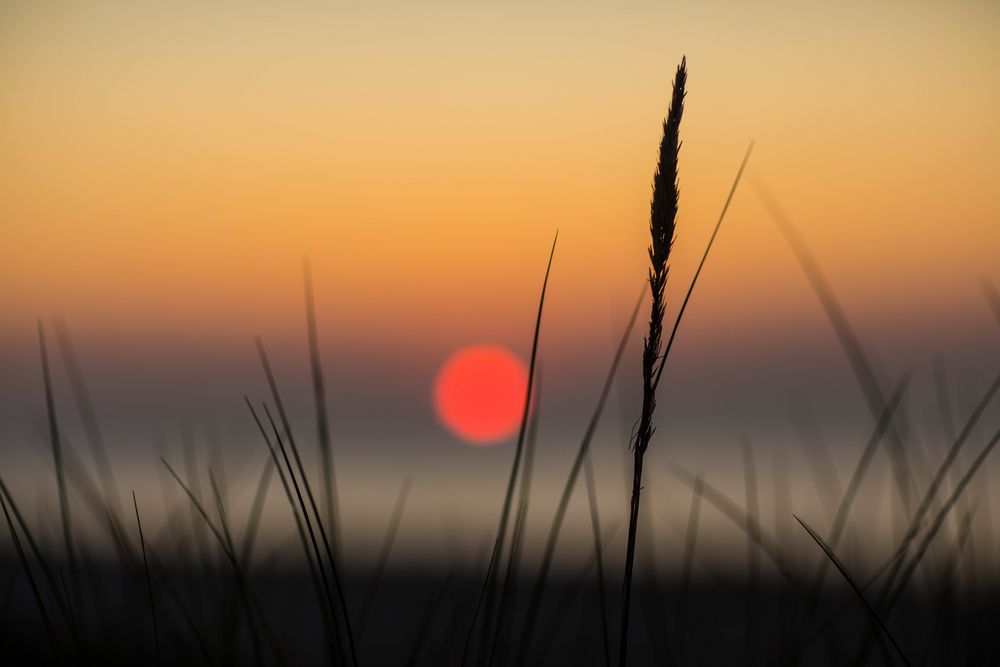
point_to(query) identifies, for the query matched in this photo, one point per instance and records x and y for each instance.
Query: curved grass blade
(46, 620)
(515, 467)
(149, 581)
(319, 401)
(383, 558)
(327, 547)
(850, 343)
(850, 580)
(701, 263)
(548, 554)
(595, 524)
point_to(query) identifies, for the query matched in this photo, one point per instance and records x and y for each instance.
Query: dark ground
(423, 618)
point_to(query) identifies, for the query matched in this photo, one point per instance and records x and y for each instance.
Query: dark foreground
(420, 618)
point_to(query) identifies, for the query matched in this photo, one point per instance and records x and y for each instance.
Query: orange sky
(165, 168)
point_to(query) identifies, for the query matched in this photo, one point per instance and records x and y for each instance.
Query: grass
(663, 214)
(149, 582)
(211, 591)
(487, 600)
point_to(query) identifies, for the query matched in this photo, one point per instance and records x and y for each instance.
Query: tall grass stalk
(222, 536)
(663, 214)
(847, 336)
(490, 580)
(319, 400)
(511, 575)
(328, 549)
(312, 537)
(321, 590)
(538, 590)
(57, 458)
(88, 416)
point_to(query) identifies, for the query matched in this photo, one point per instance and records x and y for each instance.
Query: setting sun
(479, 393)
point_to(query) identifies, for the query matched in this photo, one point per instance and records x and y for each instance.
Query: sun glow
(479, 393)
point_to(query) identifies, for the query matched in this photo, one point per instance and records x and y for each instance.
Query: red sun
(479, 393)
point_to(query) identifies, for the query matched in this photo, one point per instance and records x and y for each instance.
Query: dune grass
(663, 214)
(201, 584)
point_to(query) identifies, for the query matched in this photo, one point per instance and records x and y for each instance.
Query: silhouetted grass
(319, 402)
(88, 417)
(225, 541)
(595, 523)
(149, 581)
(552, 538)
(57, 458)
(316, 518)
(490, 579)
(935, 485)
(383, 556)
(847, 336)
(663, 214)
(992, 298)
(753, 555)
(39, 602)
(92, 610)
(843, 571)
(518, 535)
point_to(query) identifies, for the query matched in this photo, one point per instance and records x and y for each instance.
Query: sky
(166, 168)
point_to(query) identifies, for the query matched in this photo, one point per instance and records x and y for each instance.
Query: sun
(479, 393)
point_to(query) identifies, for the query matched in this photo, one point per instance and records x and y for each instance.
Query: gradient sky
(165, 168)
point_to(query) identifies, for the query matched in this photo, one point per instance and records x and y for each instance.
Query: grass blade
(738, 516)
(847, 501)
(57, 457)
(857, 591)
(595, 524)
(850, 343)
(331, 560)
(383, 558)
(321, 590)
(690, 544)
(517, 541)
(516, 464)
(753, 557)
(701, 263)
(88, 416)
(319, 400)
(936, 482)
(149, 581)
(46, 620)
(548, 554)
(256, 510)
(939, 520)
(992, 296)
